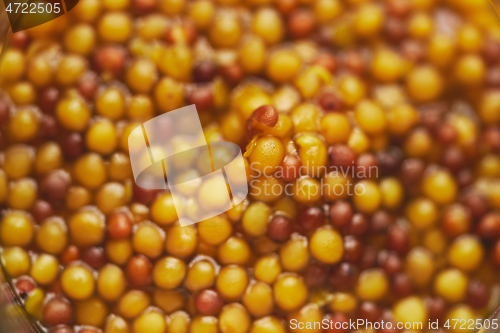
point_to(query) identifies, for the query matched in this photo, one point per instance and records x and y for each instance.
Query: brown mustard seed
(58, 311)
(380, 222)
(202, 97)
(456, 220)
(366, 166)
(395, 29)
(20, 40)
(390, 262)
(342, 157)
(478, 294)
(279, 228)
(205, 71)
(491, 138)
(315, 275)
(399, 8)
(49, 127)
(72, 145)
(340, 213)
(139, 270)
(412, 171)
(491, 51)
(369, 311)
(301, 23)
(87, 86)
(285, 7)
(453, 158)
(142, 195)
(344, 276)
(232, 74)
(110, 59)
(447, 134)
(291, 167)
(119, 225)
(357, 226)
(94, 256)
(143, 7)
(265, 115)
(71, 254)
(330, 102)
(368, 258)
(323, 37)
(56, 288)
(398, 239)
(488, 227)
(55, 185)
(4, 112)
(209, 302)
(41, 210)
(353, 249)
(310, 218)
(24, 286)
(465, 178)
(401, 285)
(477, 204)
(436, 308)
(47, 100)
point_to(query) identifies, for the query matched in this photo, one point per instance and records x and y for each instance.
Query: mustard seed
(315, 275)
(344, 276)
(357, 226)
(341, 213)
(301, 23)
(72, 145)
(279, 228)
(398, 239)
(205, 71)
(209, 302)
(330, 102)
(202, 97)
(94, 256)
(402, 286)
(436, 308)
(119, 225)
(139, 270)
(41, 210)
(478, 294)
(110, 59)
(24, 286)
(311, 218)
(342, 157)
(58, 311)
(47, 100)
